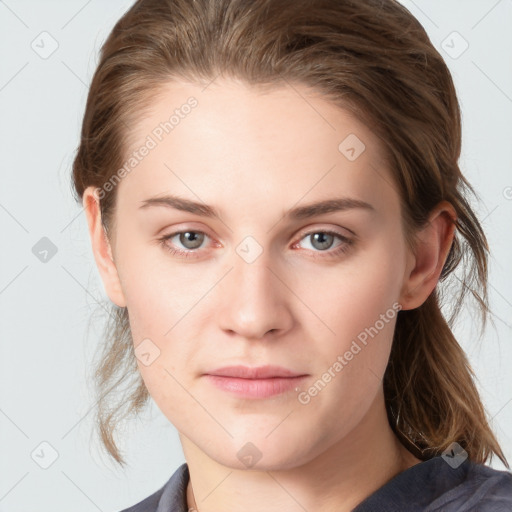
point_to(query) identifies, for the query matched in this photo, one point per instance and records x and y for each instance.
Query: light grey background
(46, 345)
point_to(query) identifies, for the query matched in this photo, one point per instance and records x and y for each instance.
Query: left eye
(320, 240)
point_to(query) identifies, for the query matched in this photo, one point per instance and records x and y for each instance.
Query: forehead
(231, 143)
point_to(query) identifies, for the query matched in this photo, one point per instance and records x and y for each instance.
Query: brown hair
(371, 57)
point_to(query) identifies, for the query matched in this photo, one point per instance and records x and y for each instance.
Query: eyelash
(191, 253)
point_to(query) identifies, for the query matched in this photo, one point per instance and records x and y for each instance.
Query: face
(262, 280)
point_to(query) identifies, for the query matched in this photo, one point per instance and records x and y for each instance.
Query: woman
(273, 196)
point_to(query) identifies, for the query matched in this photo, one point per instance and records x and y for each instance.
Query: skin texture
(253, 155)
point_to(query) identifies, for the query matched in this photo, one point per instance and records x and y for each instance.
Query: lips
(258, 372)
(255, 382)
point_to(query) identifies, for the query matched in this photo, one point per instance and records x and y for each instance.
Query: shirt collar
(174, 496)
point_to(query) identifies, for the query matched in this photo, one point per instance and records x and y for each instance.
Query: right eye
(190, 239)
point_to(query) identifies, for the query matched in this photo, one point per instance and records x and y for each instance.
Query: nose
(254, 299)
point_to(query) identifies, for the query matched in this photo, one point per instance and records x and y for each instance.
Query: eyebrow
(299, 212)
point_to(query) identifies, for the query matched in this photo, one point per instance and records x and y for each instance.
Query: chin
(261, 453)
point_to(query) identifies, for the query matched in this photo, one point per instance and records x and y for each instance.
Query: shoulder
(148, 504)
(480, 489)
(436, 485)
(171, 497)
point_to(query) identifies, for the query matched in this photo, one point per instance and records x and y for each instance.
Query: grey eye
(191, 239)
(321, 240)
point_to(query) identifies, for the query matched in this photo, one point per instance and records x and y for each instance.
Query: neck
(337, 479)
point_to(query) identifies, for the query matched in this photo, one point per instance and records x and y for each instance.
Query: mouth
(256, 382)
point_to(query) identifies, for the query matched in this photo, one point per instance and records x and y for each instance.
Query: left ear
(425, 264)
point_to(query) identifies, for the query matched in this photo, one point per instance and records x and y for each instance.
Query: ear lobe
(102, 250)
(426, 263)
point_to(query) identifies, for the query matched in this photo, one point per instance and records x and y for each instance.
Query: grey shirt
(430, 486)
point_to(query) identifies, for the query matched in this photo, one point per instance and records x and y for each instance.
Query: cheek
(158, 292)
(360, 306)
(353, 295)
(357, 303)
(158, 300)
